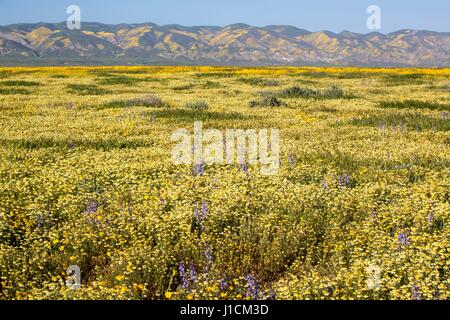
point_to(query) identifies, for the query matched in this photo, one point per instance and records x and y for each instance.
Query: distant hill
(239, 44)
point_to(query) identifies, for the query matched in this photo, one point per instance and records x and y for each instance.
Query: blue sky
(314, 15)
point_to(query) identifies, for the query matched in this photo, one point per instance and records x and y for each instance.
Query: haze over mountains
(239, 44)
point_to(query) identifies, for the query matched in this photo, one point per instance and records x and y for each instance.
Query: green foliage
(199, 105)
(267, 101)
(260, 82)
(414, 104)
(86, 90)
(149, 101)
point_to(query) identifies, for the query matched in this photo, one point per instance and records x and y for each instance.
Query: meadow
(359, 208)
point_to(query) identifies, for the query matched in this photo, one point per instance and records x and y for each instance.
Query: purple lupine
(91, 207)
(192, 273)
(204, 209)
(199, 169)
(324, 183)
(244, 168)
(209, 256)
(201, 215)
(431, 218)
(90, 212)
(403, 239)
(183, 275)
(252, 287)
(223, 284)
(197, 215)
(416, 294)
(344, 180)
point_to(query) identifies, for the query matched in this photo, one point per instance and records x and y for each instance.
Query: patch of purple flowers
(416, 293)
(90, 212)
(403, 239)
(223, 285)
(201, 215)
(183, 275)
(344, 180)
(252, 287)
(244, 168)
(199, 169)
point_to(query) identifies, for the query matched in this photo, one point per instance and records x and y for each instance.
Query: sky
(314, 15)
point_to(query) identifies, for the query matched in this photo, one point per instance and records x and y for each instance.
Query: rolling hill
(240, 44)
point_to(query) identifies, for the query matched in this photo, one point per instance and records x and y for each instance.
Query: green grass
(185, 87)
(199, 105)
(211, 85)
(19, 83)
(403, 121)
(215, 75)
(46, 143)
(149, 101)
(10, 91)
(414, 104)
(403, 79)
(118, 80)
(267, 101)
(86, 90)
(333, 92)
(260, 82)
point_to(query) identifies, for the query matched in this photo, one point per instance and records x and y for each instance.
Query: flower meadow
(359, 208)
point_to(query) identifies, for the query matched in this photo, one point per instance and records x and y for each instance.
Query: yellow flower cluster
(87, 180)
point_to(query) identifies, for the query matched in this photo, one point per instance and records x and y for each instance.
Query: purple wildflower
(403, 239)
(204, 209)
(223, 284)
(91, 207)
(90, 212)
(244, 168)
(183, 275)
(209, 255)
(416, 293)
(344, 180)
(199, 169)
(201, 215)
(252, 287)
(192, 273)
(197, 215)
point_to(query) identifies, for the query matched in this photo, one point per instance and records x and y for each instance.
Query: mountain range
(237, 44)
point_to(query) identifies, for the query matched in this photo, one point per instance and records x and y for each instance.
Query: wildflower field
(359, 208)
